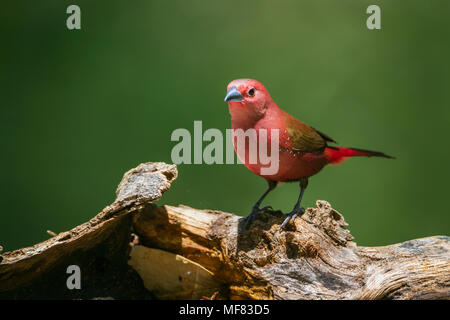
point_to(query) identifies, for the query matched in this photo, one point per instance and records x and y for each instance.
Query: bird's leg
(297, 209)
(255, 208)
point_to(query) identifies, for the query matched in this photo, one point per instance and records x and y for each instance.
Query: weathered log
(181, 252)
(100, 247)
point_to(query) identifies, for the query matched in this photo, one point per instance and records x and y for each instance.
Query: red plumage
(337, 155)
(303, 151)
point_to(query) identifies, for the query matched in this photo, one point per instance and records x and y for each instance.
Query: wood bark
(135, 249)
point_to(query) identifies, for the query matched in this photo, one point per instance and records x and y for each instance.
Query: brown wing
(304, 138)
(326, 137)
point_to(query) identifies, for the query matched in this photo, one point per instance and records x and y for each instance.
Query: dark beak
(233, 95)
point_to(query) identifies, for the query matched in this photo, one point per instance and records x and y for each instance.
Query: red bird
(302, 150)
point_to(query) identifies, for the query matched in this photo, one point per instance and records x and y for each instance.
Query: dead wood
(135, 249)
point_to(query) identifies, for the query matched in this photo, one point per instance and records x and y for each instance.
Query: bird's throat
(243, 118)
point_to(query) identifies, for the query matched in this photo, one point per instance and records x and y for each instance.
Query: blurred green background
(79, 108)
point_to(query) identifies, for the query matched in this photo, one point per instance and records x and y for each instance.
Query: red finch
(302, 150)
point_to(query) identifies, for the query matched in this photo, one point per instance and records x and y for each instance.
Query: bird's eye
(251, 92)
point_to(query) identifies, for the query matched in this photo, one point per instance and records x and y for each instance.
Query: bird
(302, 150)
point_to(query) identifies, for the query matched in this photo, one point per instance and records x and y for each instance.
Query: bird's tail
(338, 154)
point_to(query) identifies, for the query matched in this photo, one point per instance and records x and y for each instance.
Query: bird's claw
(292, 216)
(250, 217)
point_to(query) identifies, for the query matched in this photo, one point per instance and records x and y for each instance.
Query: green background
(79, 108)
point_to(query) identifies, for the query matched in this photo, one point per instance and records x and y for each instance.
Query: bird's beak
(233, 95)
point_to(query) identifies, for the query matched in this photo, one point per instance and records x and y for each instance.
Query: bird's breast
(267, 155)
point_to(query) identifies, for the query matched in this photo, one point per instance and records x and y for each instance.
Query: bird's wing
(304, 138)
(326, 137)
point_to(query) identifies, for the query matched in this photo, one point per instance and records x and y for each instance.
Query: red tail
(338, 154)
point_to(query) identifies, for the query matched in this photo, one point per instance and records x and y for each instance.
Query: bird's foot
(292, 216)
(252, 215)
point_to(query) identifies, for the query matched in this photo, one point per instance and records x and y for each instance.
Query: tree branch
(181, 252)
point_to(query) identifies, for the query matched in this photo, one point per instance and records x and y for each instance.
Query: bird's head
(247, 98)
